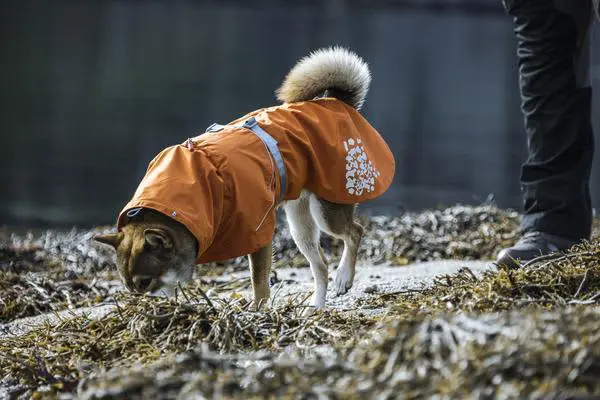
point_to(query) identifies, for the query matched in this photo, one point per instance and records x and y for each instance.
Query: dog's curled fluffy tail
(332, 72)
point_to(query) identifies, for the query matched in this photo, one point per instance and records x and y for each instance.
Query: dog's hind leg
(337, 220)
(260, 267)
(306, 236)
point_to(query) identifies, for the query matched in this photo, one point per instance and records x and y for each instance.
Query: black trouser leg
(554, 59)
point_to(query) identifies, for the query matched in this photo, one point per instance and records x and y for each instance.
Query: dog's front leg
(260, 267)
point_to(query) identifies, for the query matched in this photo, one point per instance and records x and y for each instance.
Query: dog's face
(152, 257)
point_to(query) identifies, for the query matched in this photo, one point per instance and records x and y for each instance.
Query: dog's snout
(143, 283)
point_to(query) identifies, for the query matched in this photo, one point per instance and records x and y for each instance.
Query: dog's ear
(112, 239)
(158, 239)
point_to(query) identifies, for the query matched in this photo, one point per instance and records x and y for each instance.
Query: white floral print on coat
(360, 172)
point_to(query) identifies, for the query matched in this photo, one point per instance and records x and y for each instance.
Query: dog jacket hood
(223, 186)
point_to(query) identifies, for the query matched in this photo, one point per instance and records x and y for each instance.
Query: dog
(214, 197)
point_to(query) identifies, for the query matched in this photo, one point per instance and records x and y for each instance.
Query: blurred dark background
(90, 91)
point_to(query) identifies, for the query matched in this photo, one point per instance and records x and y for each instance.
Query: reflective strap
(271, 144)
(133, 212)
(215, 128)
(269, 141)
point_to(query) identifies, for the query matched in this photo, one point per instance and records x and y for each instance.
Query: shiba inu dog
(213, 197)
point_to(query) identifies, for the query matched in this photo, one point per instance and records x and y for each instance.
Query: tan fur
(307, 217)
(340, 72)
(260, 268)
(149, 248)
(154, 251)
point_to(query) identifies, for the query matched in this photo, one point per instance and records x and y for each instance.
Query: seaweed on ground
(520, 354)
(25, 295)
(53, 272)
(555, 280)
(144, 328)
(532, 331)
(459, 232)
(504, 333)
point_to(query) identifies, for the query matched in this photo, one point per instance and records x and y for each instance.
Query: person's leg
(554, 59)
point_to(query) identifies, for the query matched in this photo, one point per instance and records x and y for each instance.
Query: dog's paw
(258, 304)
(343, 281)
(308, 311)
(311, 310)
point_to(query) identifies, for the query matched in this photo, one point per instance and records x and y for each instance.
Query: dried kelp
(459, 232)
(521, 354)
(557, 280)
(73, 251)
(56, 258)
(449, 340)
(52, 272)
(144, 328)
(505, 333)
(24, 295)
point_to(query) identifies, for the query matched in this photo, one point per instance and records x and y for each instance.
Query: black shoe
(530, 246)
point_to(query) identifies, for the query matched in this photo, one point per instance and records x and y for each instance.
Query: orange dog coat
(223, 186)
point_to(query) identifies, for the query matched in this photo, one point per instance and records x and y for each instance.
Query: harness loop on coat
(215, 128)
